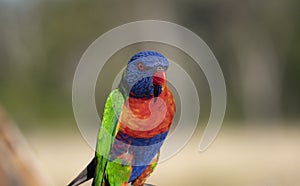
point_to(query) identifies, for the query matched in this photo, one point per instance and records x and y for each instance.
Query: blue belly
(143, 150)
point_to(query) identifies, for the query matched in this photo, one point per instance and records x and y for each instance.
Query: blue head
(145, 74)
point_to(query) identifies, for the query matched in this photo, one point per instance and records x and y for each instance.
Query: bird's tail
(86, 174)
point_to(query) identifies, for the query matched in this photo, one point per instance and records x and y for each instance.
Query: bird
(136, 120)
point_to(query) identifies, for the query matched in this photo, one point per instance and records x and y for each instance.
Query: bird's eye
(165, 68)
(140, 66)
(159, 68)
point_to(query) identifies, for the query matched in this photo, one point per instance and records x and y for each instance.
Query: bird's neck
(142, 89)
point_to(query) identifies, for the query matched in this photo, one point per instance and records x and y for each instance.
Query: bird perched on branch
(136, 119)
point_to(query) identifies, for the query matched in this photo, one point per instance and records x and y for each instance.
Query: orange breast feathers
(144, 118)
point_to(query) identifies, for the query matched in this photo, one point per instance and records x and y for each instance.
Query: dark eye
(159, 68)
(140, 66)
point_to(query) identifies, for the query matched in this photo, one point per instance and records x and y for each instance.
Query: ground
(244, 156)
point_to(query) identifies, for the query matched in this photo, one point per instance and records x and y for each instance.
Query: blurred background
(257, 45)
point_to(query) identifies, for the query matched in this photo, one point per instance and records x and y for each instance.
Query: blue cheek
(143, 88)
(140, 82)
(133, 75)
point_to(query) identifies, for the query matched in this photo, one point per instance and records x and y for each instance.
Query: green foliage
(41, 43)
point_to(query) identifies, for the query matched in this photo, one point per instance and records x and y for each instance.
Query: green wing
(107, 132)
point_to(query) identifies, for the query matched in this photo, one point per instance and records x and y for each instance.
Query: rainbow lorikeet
(136, 119)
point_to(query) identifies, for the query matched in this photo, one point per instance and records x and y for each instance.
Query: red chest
(144, 118)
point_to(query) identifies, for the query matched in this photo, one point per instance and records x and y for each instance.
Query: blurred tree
(256, 43)
(18, 166)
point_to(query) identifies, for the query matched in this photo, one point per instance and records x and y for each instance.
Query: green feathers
(107, 132)
(118, 173)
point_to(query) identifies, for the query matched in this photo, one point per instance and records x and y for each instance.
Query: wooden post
(18, 166)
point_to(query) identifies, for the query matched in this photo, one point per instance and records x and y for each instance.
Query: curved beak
(159, 78)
